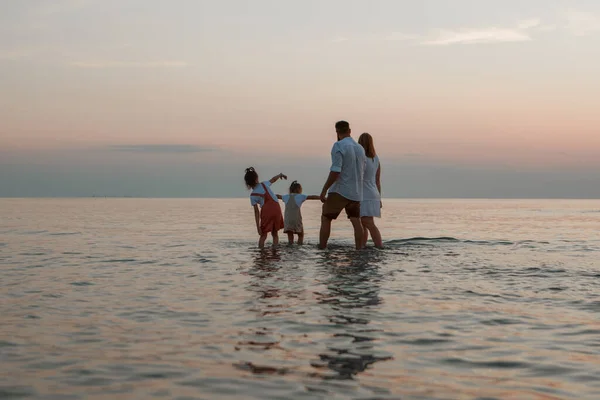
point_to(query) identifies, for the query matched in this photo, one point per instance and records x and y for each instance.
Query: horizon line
(245, 197)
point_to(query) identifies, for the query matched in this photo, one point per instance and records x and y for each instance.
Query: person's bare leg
(369, 223)
(261, 240)
(358, 233)
(275, 235)
(325, 232)
(365, 232)
(376, 235)
(301, 239)
(290, 237)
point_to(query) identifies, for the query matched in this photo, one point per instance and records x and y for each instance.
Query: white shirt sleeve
(301, 198)
(254, 200)
(336, 159)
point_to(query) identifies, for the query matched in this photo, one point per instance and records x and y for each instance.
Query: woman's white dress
(370, 206)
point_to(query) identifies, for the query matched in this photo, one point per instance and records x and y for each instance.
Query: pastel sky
(465, 98)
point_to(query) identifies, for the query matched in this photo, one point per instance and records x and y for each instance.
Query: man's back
(349, 160)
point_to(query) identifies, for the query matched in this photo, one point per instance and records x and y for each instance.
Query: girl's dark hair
(251, 178)
(295, 187)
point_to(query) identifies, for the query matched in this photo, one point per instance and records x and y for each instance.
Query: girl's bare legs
(365, 235)
(369, 223)
(290, 237)
(275, 235)
(261, 240)
(301, 239)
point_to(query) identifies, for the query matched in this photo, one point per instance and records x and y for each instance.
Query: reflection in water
(352, 280)
(266, 265)
(350, 300)
(278, 286)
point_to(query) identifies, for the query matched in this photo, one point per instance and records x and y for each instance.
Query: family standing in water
(353, 185)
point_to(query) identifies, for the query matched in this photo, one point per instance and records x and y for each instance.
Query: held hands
(282, 176)
(323, 197)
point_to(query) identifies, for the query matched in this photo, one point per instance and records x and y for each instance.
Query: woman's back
(370, 191)
(370, 206)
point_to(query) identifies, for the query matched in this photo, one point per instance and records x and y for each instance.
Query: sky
(175, 98)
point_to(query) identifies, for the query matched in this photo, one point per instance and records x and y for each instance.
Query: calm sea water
(169, 299)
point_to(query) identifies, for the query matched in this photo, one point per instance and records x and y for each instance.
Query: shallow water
(126, 298)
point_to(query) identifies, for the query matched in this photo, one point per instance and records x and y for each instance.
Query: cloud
(490, 35)
(160, 148)
(546, 28)
(399, 36)
(535, 24)
(519, 33)
(529, 23)
(582, 23)
(127, 64)
(466, 36)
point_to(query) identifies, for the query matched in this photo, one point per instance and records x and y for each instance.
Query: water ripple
(463, 303)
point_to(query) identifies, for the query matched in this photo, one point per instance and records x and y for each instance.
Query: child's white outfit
(292, 219)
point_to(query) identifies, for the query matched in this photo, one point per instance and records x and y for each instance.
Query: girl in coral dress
(268, 216)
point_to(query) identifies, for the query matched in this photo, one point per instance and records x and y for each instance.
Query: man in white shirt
(344, 184)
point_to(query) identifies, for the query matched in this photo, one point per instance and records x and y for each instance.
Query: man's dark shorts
(335, 203)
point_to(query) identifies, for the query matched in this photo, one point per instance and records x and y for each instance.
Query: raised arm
(277, 177)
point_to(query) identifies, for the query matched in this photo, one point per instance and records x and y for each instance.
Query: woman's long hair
(366, 141)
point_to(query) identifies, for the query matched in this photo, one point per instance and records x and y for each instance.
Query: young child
(268, 217)
(293, 216)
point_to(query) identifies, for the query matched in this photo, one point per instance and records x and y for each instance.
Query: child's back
(292, 218)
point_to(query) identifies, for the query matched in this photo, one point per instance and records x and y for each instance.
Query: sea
(171, 299)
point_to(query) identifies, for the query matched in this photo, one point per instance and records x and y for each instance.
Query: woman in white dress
(370, 206)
